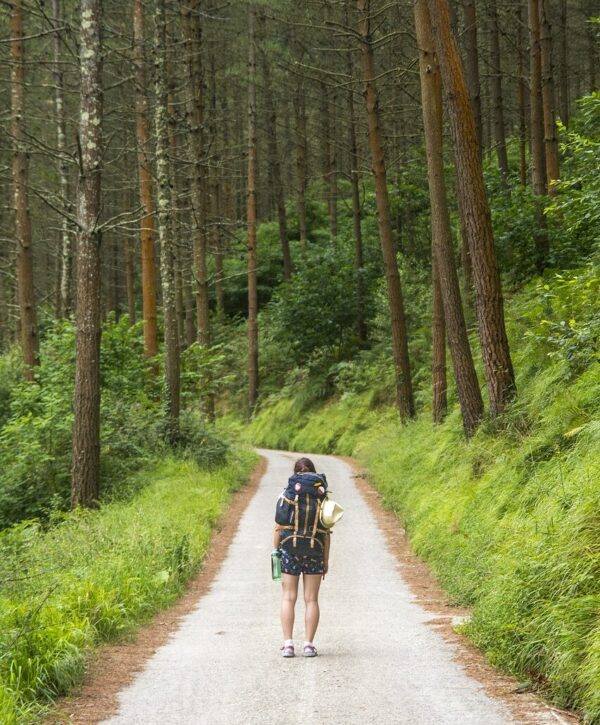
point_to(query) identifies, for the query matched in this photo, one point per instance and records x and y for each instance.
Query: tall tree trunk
(86, 425)
(361, 325)
(195, 118)
(174, 216)
(251, 217)
(332, 168)
(521, 95)
(564, 64)
(146, 190)
(301, 164)
(404, 392)
(550, 138)
(129, 278)
(498, 99)
(65, 258)
(538, 158)
(472, 67)
(444, 270)
(275, 168)
(478, 224)
(438, 345)
(20, 180)
(167, 267)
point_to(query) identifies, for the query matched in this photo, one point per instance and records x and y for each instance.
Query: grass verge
(95, 575)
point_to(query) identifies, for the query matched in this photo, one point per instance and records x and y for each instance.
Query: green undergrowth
(510, 521)
(92, 576)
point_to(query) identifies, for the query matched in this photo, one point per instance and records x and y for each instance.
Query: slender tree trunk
(538, 158)
(301, 164)
(130, 278)
(550, 138)
(478, 225)
(404, 392)
(86, 425)
(167, 270)
(195, 119)
(521, 93)
(361, 325)
(472, 67)
(444, 271)
(499, 127)
(564, 66)
(146, 186)
(251, 217)
(438, 344)
(20, 180)
(65, 258)
(275, 168)
(174, 215)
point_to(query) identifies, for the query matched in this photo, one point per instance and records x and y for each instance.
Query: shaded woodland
(190, 167)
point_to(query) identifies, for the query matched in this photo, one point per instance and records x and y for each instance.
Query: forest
(346, 226)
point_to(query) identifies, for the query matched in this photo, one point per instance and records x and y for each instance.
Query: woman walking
(304, 546)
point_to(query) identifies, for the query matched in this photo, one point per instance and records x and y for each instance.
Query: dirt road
(381, 660)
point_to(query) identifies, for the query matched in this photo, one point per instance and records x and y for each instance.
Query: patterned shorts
(296, 565)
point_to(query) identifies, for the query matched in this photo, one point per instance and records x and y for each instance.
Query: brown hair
(304, 465)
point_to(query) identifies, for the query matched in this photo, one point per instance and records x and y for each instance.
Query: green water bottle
(276, 565)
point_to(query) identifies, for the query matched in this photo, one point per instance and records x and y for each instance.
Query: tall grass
(93, 575)
(510, 521)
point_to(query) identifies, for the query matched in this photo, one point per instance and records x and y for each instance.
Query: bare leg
(312, 582)
(289, 585)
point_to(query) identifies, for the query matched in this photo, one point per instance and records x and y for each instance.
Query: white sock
(308, 644)
(288, 643)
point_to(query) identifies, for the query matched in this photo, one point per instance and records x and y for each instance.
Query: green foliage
(35, 440)
(94, 575)
(577, 206)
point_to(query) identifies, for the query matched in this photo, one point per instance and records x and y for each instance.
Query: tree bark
(275, 168)
(444, 271)
(478, 225)
(86, 426)
(498, 99)
(438, 345)
(129, 278)
(361, 325)
(146, 186)
(20, 181)
(195, 119)
(548, 106)
(521, 102)
(404, 392)
(538, 158)
(301, 164)
(66, 256)
(167, 266)
(251, 217)
(472, 67)
(564, 65)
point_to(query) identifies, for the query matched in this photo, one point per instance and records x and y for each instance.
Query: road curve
(379, 660)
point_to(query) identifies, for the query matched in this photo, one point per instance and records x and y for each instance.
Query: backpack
(297, 512)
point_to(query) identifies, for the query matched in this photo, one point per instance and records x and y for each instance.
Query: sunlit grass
(95, 575)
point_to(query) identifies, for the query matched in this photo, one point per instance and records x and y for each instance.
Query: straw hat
(331, 513)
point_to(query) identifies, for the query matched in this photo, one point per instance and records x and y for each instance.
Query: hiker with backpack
(304, 543)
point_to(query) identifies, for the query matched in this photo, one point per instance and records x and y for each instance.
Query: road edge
(524, 706)
(114, 666)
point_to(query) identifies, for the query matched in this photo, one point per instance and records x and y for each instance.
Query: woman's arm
(276, 536)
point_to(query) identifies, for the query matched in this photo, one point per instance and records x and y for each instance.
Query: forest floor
(388, 649)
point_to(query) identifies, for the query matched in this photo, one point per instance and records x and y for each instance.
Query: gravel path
(380, 662)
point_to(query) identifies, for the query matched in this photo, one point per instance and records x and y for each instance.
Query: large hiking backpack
(297, 513)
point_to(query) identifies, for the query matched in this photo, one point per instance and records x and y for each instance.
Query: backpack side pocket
(284, 511)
